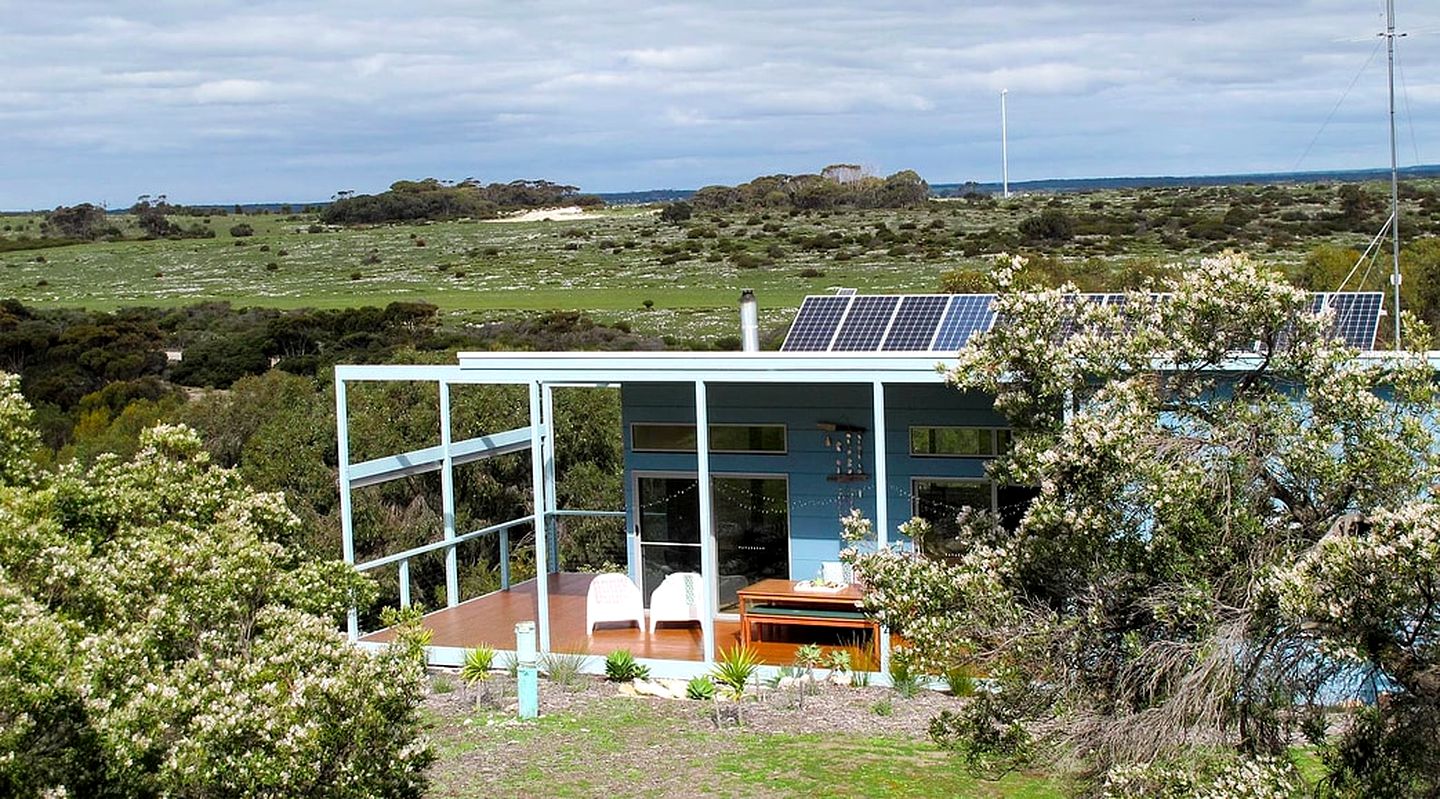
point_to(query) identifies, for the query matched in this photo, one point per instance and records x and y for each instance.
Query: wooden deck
(491, 620)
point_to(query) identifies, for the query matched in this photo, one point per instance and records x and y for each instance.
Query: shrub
(241, 230)
(903, 677)
(226, 678)
(737, 665)
(1049, 225)
(676, 212)
(564, 668)
(959, 680)
(477, 664)
(620, 666)
(700, 688)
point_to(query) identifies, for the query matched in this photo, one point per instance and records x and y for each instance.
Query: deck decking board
(491, 620)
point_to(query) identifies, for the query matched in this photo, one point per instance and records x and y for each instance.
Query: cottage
(737, 469)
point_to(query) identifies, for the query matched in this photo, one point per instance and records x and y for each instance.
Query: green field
(610, 264)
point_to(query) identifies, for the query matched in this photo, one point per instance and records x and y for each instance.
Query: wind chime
(845, 445)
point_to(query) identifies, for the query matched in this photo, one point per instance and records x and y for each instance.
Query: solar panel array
(946, 322)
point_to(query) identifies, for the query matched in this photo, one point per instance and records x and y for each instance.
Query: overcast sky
(225, 101)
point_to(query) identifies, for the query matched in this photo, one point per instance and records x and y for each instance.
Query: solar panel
(967, 314)
(945, 323)
(915, 322)
(866, 323)
(815, 325)
(1357, 315)
(845, 292)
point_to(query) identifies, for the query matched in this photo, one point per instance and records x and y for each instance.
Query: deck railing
(502, 529)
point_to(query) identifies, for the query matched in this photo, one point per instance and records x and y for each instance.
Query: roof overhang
(598, 368)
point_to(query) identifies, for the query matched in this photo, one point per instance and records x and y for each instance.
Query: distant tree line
(431, 198)
(837, 186)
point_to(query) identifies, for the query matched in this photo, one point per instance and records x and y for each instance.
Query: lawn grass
(823, 766)
(621, 746)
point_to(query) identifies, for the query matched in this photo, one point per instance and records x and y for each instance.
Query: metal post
(539, 429)
(708, 559)
(527, 671)
(1004, 149)
(347, 526)
(1394, 170)
(447, 500)
(405, 583)
(505, 559)
(548, 459)
(882, 502)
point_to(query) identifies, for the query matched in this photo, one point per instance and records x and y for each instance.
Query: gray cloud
(233, 100)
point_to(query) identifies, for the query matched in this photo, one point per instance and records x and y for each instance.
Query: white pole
(552, 501)
(539, 427)
(1004, 149)
(347, 524)
(1394, 171)
(882, 501)
(708, 559)
(447, 500)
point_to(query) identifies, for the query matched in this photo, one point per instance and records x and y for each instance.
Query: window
(959, 442)
(939, 501)
(657, 437)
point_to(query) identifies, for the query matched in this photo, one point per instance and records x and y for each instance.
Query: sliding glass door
(669, 514)
(752, 530)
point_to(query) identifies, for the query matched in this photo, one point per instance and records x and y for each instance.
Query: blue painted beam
(430, 459)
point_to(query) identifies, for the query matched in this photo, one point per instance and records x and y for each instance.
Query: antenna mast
(1005, 151)
(1394, 170)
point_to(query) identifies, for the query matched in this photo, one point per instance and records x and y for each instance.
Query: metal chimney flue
(749, 321)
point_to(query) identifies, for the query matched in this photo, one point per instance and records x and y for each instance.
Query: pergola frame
(542, 373)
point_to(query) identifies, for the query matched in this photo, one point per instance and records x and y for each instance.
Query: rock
(626, 689)
(651, 688)
(839, 678)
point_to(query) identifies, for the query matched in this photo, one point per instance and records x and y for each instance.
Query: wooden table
(776, 601)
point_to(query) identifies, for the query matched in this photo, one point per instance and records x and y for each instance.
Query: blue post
(527, 683)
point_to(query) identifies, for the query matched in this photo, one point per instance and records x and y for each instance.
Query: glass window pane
(723, 438)
(663, 437)
(939, 501)
(669, 509)
(752, 531)
(661, 560)
(970, 442)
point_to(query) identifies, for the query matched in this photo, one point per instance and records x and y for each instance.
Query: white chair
(611, 598)
(679, 597)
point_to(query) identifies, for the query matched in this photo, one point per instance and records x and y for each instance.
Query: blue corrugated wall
(816, 503)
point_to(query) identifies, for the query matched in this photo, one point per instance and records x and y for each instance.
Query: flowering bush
(1176, 579)
(1226, 778)
(157, 639)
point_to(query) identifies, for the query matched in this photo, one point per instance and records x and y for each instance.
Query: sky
(254, 101)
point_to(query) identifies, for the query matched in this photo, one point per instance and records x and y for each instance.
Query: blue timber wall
(816, 502)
